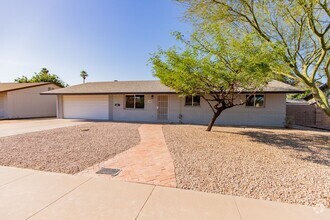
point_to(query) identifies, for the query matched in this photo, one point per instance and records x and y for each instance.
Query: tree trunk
(321, 100)
(214, 118)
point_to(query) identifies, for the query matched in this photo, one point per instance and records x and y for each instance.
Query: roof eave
(280, 92)
(122, 93)
(103, 93)
(27, 87)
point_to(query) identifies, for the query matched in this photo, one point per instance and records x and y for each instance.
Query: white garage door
(86, 107)
(2, 106)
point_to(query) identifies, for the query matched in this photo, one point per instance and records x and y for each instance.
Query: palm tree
(84, 75)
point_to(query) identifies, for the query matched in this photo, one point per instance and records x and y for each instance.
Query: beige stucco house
(23, 100)
(151, 101)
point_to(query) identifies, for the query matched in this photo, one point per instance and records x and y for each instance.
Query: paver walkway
(29, 194)
(148, 162)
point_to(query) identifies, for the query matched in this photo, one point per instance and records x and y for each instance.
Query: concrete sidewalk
(28, 194)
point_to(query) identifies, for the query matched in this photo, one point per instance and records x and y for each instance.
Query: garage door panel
(86, 107)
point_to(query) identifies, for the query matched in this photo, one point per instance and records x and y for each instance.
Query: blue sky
(110, 39)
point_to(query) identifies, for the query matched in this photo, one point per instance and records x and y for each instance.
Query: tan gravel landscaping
(70, 149)
(274, 164)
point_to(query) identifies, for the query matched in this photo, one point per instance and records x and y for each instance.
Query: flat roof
(148, 87)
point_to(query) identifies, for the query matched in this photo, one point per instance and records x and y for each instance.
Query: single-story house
(23, 100)
(151, 101)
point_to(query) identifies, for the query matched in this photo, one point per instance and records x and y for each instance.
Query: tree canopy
(215, 67)
(300, 27)
(42, 76)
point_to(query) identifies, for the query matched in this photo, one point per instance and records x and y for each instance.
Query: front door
(162, 107)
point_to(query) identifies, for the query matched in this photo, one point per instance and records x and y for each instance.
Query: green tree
(42, 76)
(22, 79)
(214, 67)
(300, 27)
(83, 75)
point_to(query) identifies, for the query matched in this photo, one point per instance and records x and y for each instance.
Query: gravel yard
(70, 149)
(274, 164)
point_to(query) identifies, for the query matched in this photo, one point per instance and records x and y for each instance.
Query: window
(193, 100)
(134, 101)
(139, 101)
(130, 101)
(259, 101)
(249, 100)
(255, 101)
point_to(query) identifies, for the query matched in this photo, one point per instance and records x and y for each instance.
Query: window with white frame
(134, 101)
(193, 100)
(256, 101)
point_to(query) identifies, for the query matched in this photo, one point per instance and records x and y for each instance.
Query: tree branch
(208, 102)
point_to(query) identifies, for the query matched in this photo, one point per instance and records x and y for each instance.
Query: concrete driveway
(21, 126)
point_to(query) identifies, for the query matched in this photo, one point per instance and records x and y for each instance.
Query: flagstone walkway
(148, 162)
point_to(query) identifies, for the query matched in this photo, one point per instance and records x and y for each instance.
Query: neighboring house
(151, 101)
(306, 112)
(23, 100)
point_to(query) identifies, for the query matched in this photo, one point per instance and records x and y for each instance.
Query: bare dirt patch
(274, 164)
(68, 150)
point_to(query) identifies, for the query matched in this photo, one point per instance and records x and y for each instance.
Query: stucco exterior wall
(120, 113)
(110, 107)
(59, 106)
(28, 103)
(272, 114)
